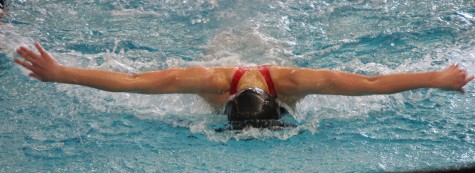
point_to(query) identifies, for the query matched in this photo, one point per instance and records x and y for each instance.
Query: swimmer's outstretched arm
(190, 80)
(309, 81)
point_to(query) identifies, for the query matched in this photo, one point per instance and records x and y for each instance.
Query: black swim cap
(252, 104)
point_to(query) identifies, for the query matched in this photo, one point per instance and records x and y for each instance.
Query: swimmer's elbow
(376, 85)
(135, 83)
(152, 83)
(354, 84)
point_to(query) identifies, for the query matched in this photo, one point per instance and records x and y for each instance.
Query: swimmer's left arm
(310, 81)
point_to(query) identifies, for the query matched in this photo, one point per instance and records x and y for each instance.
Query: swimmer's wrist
(438, 80)
(60, 74)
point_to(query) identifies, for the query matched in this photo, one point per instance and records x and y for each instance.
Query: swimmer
(247, 94)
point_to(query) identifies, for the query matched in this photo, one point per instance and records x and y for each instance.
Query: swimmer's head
(252, 104)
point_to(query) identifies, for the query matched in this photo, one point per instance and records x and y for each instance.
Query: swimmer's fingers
(454, 78)
(34, 57)
(43, 53)
(23, 52)
(32, 74)
(467, 79)
(456, 65)
(30, 55)
(23, 63)
(28, 66)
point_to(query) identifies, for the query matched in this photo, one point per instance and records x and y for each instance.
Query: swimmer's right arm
(177, 80)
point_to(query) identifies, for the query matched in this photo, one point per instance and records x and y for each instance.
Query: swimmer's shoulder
(213, 69)
(281, 72)
(226, 72)
(217, 74)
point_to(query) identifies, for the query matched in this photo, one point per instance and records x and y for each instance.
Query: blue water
(48, 127)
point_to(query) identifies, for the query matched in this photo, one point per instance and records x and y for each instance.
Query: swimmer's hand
(453, 78)
(42, 66)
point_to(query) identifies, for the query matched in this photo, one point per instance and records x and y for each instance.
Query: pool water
(49, 127)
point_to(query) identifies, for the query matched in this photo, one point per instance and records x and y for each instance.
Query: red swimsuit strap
(237, 76)
(241, 70)
(270, 84)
